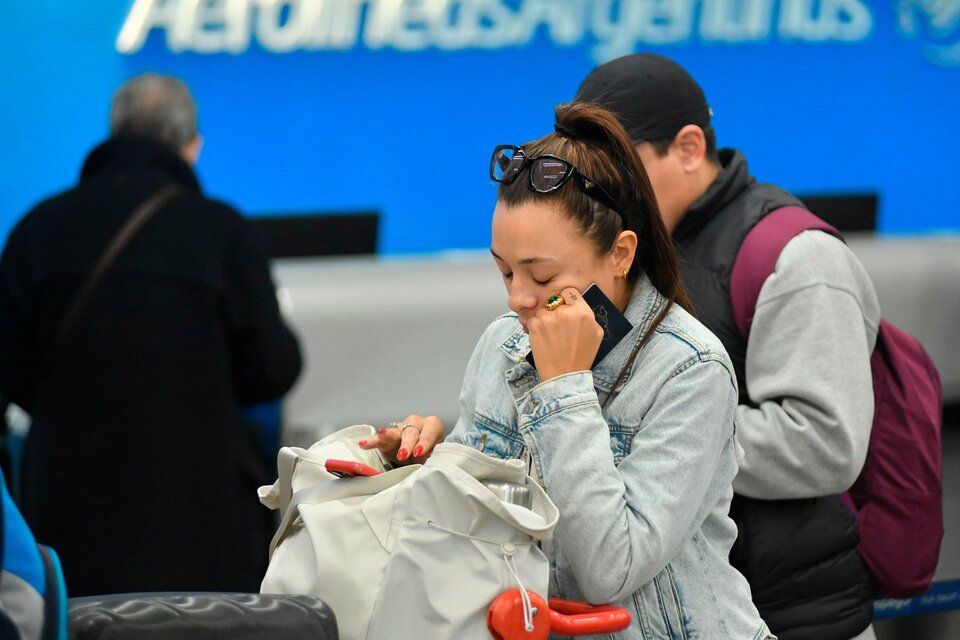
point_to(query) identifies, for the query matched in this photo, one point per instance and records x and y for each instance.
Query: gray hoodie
(808, 372)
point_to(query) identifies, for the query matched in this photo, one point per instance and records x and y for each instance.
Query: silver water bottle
(511, 492)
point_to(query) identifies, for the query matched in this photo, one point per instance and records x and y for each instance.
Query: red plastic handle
(567, 617)
(505, 617)
(572, 618)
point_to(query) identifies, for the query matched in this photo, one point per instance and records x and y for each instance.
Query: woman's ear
(624, 249)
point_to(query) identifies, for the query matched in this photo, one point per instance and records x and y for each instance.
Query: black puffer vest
(798, 555)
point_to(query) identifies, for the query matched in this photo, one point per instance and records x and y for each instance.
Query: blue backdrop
(312, 106)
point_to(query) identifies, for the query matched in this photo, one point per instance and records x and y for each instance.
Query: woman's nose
(521, 299)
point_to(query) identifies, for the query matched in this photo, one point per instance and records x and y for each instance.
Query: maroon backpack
(898, 499)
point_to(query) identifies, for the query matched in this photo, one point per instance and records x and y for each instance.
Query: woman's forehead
(536, 230)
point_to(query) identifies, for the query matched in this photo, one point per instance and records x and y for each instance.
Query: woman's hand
(411, 440)
(566, 339)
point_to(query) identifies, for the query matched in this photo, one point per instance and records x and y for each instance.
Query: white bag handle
(537, 522)
(338, 489)
(289, 458)
(465, 464)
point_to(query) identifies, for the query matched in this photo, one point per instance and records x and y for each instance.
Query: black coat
(136, 469)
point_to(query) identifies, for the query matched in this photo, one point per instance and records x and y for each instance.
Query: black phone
(615, 325)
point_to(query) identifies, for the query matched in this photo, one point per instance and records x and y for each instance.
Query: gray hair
(156, 107)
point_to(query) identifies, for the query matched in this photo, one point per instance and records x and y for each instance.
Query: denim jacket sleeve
(622, 524)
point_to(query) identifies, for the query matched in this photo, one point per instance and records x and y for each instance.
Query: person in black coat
(136, 469)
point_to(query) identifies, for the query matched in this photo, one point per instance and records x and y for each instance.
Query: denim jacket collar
(645, 303)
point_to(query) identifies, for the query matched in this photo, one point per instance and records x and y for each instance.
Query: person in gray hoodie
(806, 395)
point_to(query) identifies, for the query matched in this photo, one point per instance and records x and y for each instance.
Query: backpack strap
(758, 254)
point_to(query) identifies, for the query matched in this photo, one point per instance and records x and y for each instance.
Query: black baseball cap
(652, 96)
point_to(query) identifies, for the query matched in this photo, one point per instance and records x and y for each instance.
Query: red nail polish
(362, 443)
(382, 430)
(402, 454)
(417, 451)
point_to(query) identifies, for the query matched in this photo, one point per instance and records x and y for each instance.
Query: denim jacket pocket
(672, 604)
(660, 608)
(621, 441)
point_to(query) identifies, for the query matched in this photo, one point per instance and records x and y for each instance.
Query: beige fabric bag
(415, 552)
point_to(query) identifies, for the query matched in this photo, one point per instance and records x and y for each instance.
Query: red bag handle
(567, 617)
(572, 618)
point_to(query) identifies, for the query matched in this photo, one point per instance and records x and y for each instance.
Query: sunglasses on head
(547, 173)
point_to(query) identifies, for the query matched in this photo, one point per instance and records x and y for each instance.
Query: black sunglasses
(547, 173)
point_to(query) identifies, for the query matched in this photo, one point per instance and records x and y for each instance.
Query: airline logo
(936, 24)
(610, 27)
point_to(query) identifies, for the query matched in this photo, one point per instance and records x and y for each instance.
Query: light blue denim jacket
(643, 486)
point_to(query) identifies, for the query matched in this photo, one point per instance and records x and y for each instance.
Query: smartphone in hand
(614, 324)
(349, 468)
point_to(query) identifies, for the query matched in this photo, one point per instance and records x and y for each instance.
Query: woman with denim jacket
(636, 450)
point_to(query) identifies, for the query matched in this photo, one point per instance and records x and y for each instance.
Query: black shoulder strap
(119, 241)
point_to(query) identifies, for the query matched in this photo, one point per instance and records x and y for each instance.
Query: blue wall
(313, 106)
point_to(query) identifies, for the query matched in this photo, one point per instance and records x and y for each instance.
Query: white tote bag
(415, 552)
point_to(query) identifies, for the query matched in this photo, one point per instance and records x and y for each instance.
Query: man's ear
(690, 145)
(191, 151)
